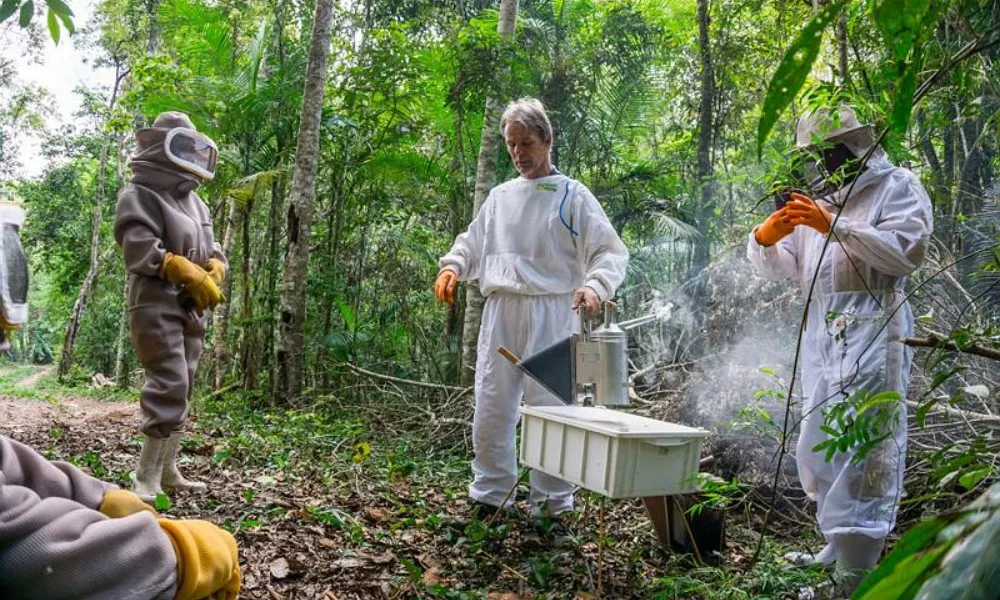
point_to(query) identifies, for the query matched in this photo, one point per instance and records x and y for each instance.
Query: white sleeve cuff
(602, 292)
(451, 264)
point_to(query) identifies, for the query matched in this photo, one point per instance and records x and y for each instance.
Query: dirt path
(32, 379)
(20, 417)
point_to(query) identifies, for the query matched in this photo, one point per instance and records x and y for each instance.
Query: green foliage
(718, 494)
(793, 70)
(941, 556)
(58, 13)
(859, 424)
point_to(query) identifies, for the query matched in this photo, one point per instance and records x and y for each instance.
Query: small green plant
(91, 461)
(541, 569)
(718, 493)
(859, 424)
(162, 502)
(753, 417)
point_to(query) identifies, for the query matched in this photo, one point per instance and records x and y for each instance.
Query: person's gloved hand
(774, 228)
(588, 298)
(444, 285)
(208, 563)
(216, 270)
(180, 271)
(122, 503)
(7, 327)
(803, 210)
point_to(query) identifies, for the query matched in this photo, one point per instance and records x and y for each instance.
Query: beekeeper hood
(13, 267)
(821, 127)
(829, 148)
(173, 154)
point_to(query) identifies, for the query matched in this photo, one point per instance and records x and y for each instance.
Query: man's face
(526, 149)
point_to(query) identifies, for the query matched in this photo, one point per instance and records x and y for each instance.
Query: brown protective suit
(54, 544)
(158, 212)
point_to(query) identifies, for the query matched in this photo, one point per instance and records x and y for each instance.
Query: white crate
(617, 454)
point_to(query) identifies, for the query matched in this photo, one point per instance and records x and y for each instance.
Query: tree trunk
(220, 354)
(845, 73)
(66, 359)
(121, 368)
(248, 364)
(705, 210)
(485, 168)
(291, 328)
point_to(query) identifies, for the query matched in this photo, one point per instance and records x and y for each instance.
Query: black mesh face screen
(15, 273)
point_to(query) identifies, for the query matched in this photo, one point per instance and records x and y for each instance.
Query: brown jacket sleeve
(53, 544)
(139, 231)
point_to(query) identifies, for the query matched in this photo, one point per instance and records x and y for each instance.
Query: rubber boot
(826, 557)
(172, 478)
(146, 480)
(857, 555)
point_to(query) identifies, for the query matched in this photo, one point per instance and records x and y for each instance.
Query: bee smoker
(589, 368)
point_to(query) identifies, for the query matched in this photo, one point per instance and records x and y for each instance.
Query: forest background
(335, 348)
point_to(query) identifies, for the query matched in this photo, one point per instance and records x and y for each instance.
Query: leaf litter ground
(338, 520)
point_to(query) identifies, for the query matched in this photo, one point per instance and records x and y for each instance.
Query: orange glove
(803, 210)
(774, 228)
(216, 269)
(444, 286)
(208, 563)
(122, 503)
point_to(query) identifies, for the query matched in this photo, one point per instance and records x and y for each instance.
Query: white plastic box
(617, 454)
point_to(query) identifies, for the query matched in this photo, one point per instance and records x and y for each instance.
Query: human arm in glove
(445, 284)
(202, 288)
(466, 253)
(208, 562)
(54, 544)
(896, 243)
(217, 270)
(771, 248)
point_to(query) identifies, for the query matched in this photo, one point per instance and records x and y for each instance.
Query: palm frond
(672, 229)
(247, 188)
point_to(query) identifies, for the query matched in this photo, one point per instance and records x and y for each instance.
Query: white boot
(146, 479)
(825, 557)
(172, 478)
(857, 555)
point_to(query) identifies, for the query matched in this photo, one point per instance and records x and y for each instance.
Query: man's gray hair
(530, 113)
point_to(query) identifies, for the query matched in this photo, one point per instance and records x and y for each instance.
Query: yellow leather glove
(122, 503)
(444, 286)
(208, 563)
(216, 270)
(8, 327)
(805, 211)
(774, 228)
(180, 271)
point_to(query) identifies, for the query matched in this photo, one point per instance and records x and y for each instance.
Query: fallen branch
(936, 340)
(956, 412)
(434, 386)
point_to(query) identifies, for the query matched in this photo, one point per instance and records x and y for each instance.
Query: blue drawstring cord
(561, 217)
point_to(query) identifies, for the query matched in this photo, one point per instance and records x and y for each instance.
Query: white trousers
(524, 325)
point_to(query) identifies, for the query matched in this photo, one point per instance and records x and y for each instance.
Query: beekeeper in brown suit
(66, 535)
(175, 270)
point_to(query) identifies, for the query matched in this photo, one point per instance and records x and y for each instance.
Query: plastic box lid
(613, 423)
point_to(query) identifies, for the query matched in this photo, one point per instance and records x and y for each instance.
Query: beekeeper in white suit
(540, 247)
(857, 318)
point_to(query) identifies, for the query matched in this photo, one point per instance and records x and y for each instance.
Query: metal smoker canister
(611, 387)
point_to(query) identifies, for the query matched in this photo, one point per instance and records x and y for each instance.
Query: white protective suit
(853, 343)
(534, 242)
